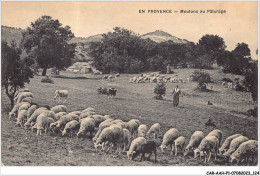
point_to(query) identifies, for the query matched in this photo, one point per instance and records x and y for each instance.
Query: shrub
(102, 90)
(159, 90)
(200, 75)
(202, 78)
(47, 80)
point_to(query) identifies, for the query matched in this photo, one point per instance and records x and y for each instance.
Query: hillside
(94, 38)
(161, 36)
(8, 34)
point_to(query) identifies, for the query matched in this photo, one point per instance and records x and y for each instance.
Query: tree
(47, 42)
(242, 50)
(15, 71)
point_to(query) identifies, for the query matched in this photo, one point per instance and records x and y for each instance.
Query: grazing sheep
(22, 115)
(61, 94)
(135, 147)
(24, 107)
(126, 139)
(103, 125)
(194, 142)
(207, 144)
(155, 130)
(168, 139)
(149, 148)
(217, 133)
(71, 128)
(105, 77)
(111, 92)
(65, 119)
(89, 109)
(112, 135)
(226, 144)
(142, 130)
(34, 116)
(179, 144)
(234, 144)
(75, 112)
(84, 115)
(98, 119)
(59, 115)
(86, 125)
(31, 110)
(14, 111)
(23, 95)
(59, 108)
(133, 127)
(42, 123)
(27, 99)
(245, 151)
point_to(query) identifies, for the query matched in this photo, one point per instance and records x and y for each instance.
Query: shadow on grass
(76, 77)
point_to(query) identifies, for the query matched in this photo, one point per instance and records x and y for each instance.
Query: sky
(239, 23)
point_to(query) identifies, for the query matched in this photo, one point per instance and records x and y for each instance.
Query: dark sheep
(112, 92)
(149, 148)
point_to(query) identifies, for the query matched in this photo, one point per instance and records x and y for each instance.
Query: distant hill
(94, 38)
(9, 33)
(161, 36)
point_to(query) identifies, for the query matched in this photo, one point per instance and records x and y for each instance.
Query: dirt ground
(21, 147)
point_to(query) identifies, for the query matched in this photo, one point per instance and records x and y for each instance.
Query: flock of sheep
(132, 137)
(156, 78)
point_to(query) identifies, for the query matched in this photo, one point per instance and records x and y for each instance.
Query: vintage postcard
(120, 83)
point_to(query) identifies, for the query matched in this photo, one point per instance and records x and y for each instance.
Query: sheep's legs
(176, 150)
(209, 155)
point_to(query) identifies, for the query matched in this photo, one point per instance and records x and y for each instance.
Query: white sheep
(65, 119)
(59, 115)
(22, 115)
(168, 139)
(27, 99)
(234, 144)
(245, 151)
(84, 115)
(25, 106)
(179, 144)
(126, 139)
(217, 133)
(89, 109)
(42, 123)
(135, 146)
(133, 127)
(61, 94)
(103, 125)
(194, 142)
(31, 110)
(112, 136)
(98, 119)
(34, 116)
(86, 125)
(207, 144)
(226, 144)
(59, 108)
(71, 127)
(75, 112)
(14, 111)
(142, 130)
(23, 95)
(155, 130)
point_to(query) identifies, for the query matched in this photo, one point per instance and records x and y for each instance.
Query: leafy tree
(159, 90)
(212, 43)
(47, 42)
(15, 71)
(242, 50)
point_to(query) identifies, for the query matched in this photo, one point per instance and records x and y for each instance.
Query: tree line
(46, 44)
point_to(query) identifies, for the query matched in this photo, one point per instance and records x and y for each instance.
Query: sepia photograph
(152, 83)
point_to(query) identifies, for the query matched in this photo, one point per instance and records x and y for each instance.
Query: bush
(47, 80)
(102, 90)
(201, 76)
(159, 90)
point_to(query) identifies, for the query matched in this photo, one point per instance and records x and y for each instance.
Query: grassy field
(21, 147)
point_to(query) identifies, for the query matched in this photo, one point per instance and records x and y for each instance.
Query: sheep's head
(187, 150)
(196, 153)
(130, 154)
(63, 133)
(222, 151)
(163, 147)
(12, 115)
(233, 159)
